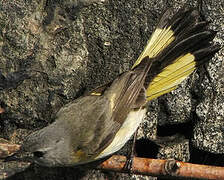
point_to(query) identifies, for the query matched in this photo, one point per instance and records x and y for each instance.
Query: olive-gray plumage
(82, 119)
(87, 125)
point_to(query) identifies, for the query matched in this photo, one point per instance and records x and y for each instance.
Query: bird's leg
(128, 165)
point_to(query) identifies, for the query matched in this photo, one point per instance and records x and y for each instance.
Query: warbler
(99, 123)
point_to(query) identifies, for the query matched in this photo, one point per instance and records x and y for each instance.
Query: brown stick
(7, 148)
(1, 110)
(157, 167)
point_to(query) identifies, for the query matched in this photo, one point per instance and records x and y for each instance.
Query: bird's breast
(128, 128)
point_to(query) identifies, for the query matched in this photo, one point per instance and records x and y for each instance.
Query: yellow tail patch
(187, 38)
(171, 76)
(159, 40)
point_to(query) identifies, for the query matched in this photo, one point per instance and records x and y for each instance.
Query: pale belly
(124, 134)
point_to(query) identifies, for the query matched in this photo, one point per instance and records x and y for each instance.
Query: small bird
(99, 123)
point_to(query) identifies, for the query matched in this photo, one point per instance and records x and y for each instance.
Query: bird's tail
(178, 45)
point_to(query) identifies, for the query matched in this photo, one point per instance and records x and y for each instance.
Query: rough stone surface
(179, 151)
(208, 131)
(69, 49)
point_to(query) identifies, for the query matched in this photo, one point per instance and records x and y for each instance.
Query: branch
(1, 110)
(7, 148)
(158, 167)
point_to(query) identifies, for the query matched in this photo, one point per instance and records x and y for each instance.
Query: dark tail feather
(176, 48)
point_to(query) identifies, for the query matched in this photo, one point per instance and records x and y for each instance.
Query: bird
(99, 123)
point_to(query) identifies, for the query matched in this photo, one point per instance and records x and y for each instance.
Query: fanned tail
(177, 47)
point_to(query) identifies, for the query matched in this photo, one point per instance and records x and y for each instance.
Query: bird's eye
(38, 154)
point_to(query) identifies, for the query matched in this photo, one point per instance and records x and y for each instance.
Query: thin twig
(158, 167)
(2, 110)
(7, 149)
